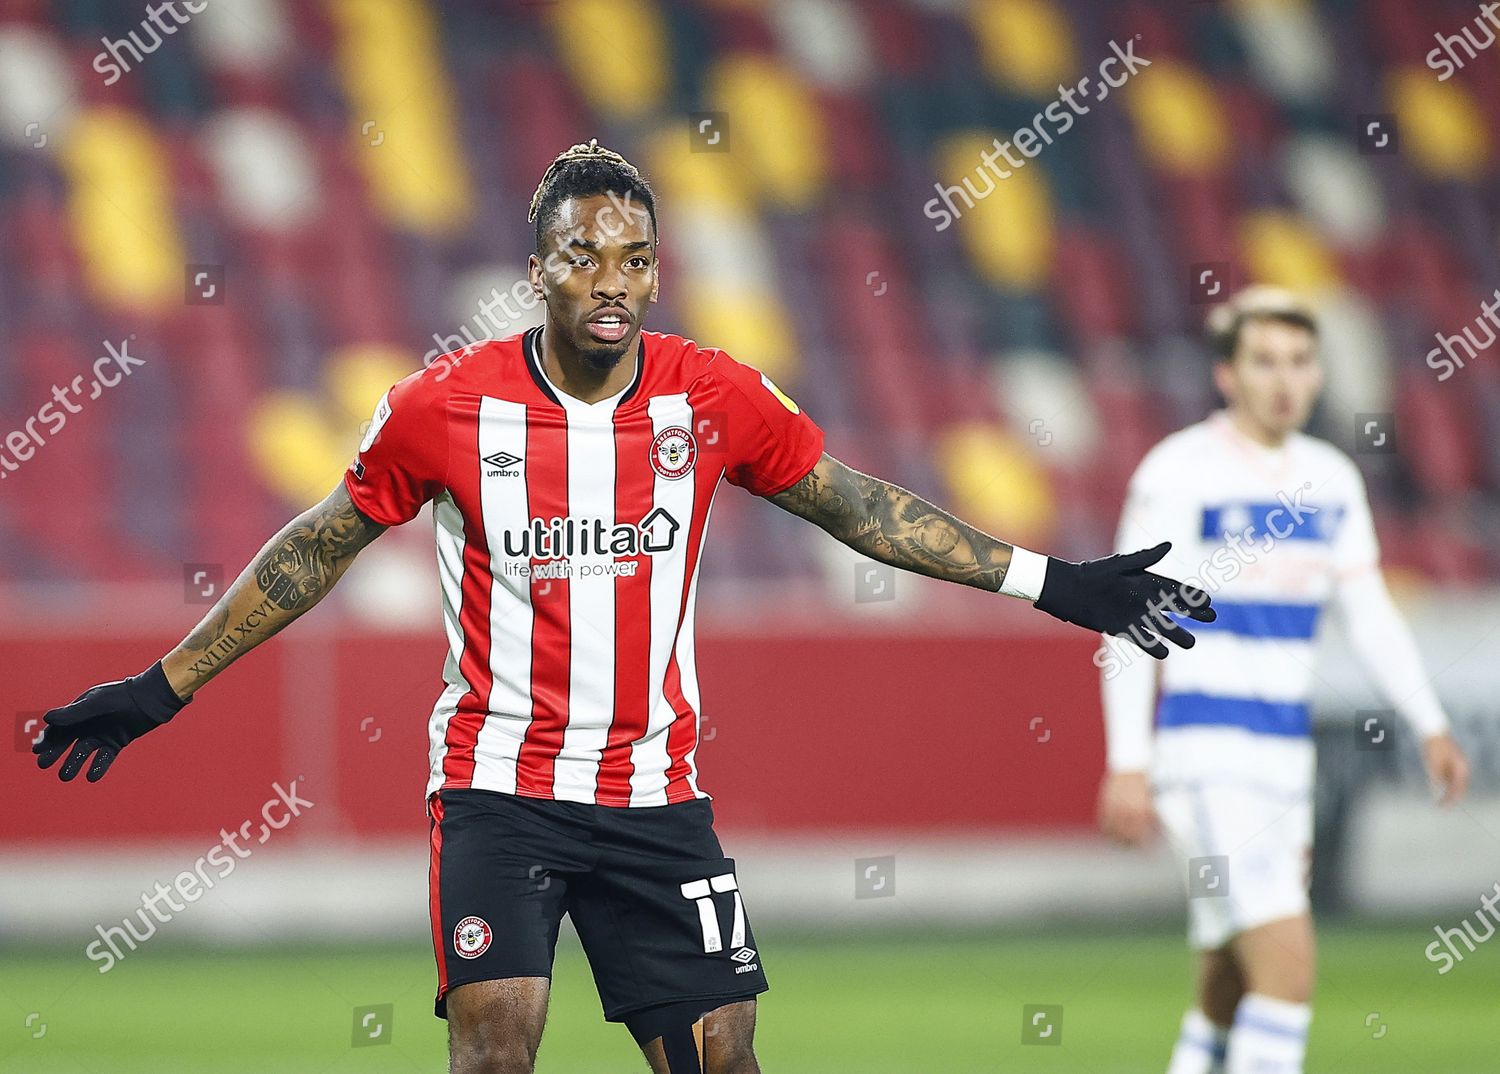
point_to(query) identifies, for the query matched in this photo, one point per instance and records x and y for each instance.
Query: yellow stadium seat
(1025, 45)
(751, 327)
(359, 375)
(775, 128)
(295, 448)
(120, 208)
(617, 53)
(1280, 249)
(679, 175)
(301, 442)
(997, 485)
(1008, 234)
(1180, 123)
(408, 144)
(1441, 129)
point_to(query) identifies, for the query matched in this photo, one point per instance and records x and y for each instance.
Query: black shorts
(649, 890)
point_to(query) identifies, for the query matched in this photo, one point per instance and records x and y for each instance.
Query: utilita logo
(564, 538)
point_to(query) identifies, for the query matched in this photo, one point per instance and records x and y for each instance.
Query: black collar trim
(534, 363)
(530, 344)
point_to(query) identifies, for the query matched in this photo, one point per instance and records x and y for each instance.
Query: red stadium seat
(902, 37)
(1091, 287)
(1432, 424)
(1129, 198)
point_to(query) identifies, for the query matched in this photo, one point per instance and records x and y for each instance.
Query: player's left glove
(1119, 596)
(103, 720)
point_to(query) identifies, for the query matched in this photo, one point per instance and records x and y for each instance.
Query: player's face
(597, 273)
(1274, 378)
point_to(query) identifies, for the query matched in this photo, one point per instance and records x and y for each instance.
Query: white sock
(1269, 1036)
(1200, 1046)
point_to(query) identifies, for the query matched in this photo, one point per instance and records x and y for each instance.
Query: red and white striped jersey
(569, 538)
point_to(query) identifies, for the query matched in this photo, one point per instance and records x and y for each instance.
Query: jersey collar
(531, 344)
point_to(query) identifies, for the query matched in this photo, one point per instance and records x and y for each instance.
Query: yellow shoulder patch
(786, 400)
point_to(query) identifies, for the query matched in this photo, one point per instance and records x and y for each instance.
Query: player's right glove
(103, 720)
(1119, 596)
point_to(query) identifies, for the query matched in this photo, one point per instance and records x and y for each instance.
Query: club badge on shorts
(472, 937)
(673, 453)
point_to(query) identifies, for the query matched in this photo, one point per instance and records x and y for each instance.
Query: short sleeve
(402, 461)
(773, 444)
(1356, 548)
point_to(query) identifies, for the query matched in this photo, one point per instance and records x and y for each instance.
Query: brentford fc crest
(673, 453)
(472, 937)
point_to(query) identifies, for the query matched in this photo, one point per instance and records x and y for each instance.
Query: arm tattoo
(307, 561)
(894, 526)
(290, 574)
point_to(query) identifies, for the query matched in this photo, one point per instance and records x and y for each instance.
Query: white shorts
(1245, 854)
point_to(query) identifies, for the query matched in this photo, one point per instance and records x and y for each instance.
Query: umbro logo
(744, 954)
(502, 464)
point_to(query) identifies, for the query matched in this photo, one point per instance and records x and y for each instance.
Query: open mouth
(608, 326)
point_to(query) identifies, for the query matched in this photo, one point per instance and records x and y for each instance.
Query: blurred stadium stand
(353, 178)
(361, 170)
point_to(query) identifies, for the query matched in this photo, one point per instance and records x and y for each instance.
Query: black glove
(1119, 596)
(106, 719)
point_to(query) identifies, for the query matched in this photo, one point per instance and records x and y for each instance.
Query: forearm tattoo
(290, 574)
(894, 526)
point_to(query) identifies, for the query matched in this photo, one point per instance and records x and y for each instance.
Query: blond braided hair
(590, 150)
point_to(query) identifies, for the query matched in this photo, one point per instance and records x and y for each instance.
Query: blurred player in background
(1276, 524)
(572, 469)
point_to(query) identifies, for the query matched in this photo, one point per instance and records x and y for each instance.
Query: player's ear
(534, 275)
(1224, 378)
(655, 277)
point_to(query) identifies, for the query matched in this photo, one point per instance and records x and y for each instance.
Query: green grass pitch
(923, 1004)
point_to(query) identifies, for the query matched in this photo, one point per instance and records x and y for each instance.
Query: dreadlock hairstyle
(583, 171)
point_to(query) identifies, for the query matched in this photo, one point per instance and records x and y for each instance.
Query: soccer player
(1276, 524)
(572, 469)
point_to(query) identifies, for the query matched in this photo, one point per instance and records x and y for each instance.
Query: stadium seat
(776, 128)
(626, 80)
(826, 39)
(392, 69)
(361, 163)
(1441, 454)
(1006, 223)
(1333, 187)
(1179, 120)
(1025, 45)
(1443, 133)
(121, 212)
(996, 483)
(1280, 249)
(1287, 47)
(1047, 405)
